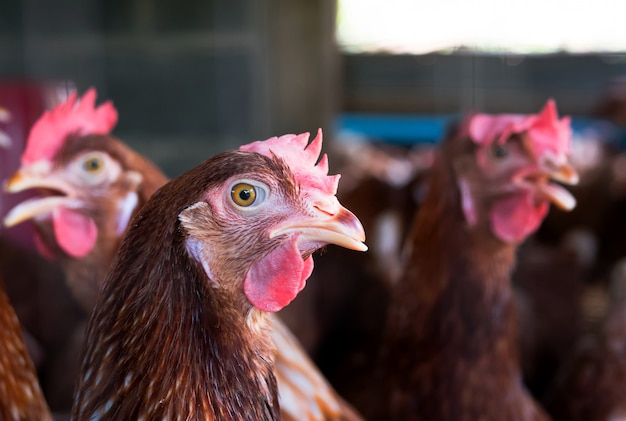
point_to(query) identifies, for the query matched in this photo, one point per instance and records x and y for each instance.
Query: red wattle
(75, 232)
(276, 280)
(515, 218)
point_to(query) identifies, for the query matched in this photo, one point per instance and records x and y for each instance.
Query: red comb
(545, 130)
(301, 157)
(70, 117)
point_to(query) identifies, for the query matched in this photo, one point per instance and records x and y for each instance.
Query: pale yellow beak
(562, 172)
(343, 229)
(23, 180)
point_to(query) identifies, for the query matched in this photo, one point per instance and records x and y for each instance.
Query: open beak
(25, 179)
(552, 169)
(342, 228)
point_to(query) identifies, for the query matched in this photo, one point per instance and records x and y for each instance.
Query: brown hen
(452, 347)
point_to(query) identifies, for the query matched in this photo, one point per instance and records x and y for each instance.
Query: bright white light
(420, 26)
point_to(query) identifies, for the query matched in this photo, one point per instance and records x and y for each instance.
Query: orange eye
(243, 194)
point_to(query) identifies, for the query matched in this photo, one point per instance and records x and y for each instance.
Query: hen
(453, 306)
(109, 204)
(92, 184)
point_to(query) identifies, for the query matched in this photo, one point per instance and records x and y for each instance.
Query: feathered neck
(458, 296)
(453, 254)
(454, 310)
(163, 342)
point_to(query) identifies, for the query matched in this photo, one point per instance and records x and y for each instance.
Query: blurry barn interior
(196, 78)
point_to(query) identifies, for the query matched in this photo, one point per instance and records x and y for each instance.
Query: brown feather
(21, 398)
(307, 394)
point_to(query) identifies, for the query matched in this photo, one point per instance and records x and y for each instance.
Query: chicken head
(280, 217)
(506, 173)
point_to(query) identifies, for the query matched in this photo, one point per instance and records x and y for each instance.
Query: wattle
(514, 218)
(274, 281)
(75, 232)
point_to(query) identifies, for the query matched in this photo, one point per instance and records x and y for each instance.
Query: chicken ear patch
(75, 232)
(274, 281)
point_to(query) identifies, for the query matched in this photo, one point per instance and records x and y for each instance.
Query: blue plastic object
(408, 129)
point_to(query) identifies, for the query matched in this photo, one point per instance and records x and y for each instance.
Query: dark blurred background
(193, 78)
(189, 78)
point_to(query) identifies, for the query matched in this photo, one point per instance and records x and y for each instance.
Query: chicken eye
(244, 194)
(499, 151)
(95, 168)
(93, 164)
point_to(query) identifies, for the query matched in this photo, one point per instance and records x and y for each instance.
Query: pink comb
(49, 132)
(301, 157)
(545, 130)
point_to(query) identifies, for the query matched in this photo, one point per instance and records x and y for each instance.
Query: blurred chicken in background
(452, 310)
(559, 279)
(89, 193)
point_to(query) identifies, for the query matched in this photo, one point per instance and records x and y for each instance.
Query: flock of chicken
(180, 280)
